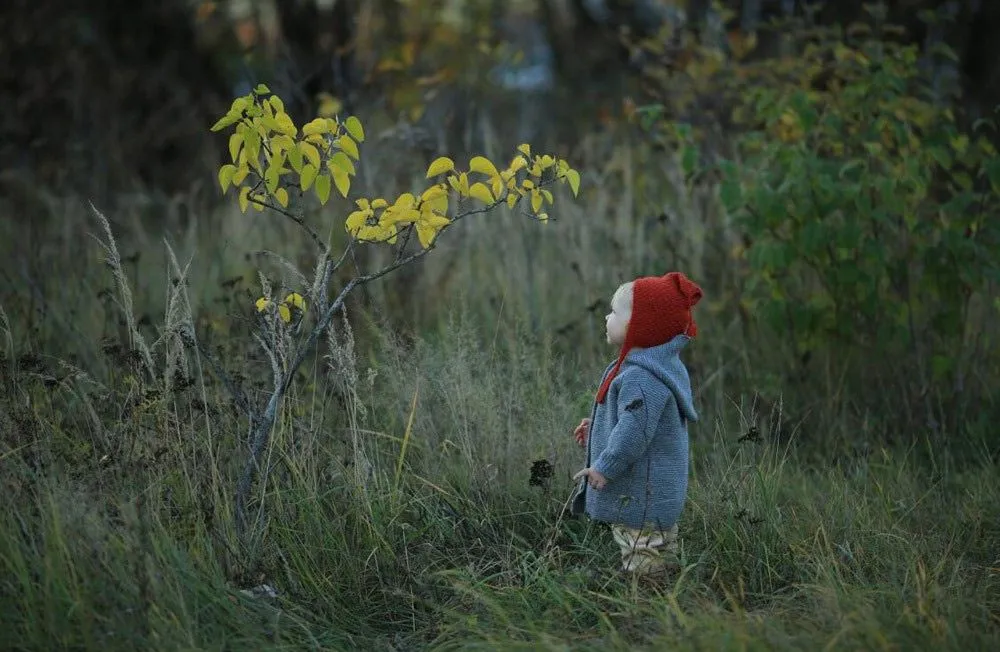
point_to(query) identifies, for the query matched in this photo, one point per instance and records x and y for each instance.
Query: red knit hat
(661, 310)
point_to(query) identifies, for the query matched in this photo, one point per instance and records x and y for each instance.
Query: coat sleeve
(640, 406)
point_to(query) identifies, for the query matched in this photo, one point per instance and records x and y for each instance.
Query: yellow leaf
(265, 124)
(341, 179)
(341, 161)
(241, 174)
(315, 127)
(525, 149)
(310, 152)
(460, 183)
(546, 161)
(379, 203)
(284, 313)
(404, 201)
(400, 216)
(295, 300)
(235, 143)
(282, 143)
(512, 199)
(240, 104)
(517, 164)
(271, 178)
(547, 195)
(323, 188)
(354, 128)
(434, 220)
(257, 201)
(481, 192)
(437, 190)
(435, 200)
(573, 178)
(483, 165)
(497, 186)
(295, 158)
(440, 166)
(543, 217)
(285, 124)
(244, 198)
(428, 227)
(319, 140)
(262, 304)
(307, 176)
(282, 196)
(226, 173)
(349, 147)
(401, 211)
(356, 220)
(536, 200)
(528, 184)
(226, 120)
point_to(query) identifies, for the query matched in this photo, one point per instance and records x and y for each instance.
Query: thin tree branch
(298, 220)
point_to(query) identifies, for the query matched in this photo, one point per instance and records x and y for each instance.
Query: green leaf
(341, 179)
(295, 158)
(240, 174)
(731, 194)
(354, 128)
(573, 179)
(226, 120)
(349, 147)
(272, 176)
(307, 176)
(310, 152)
(281, 195)
(244, 198)
(235, 143)
(226, 173)
(262, 89)
(340, 161)
(323, 188)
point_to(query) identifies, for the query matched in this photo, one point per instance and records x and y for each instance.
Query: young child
(636, 438)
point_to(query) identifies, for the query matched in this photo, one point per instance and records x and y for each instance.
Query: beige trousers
(647, 550)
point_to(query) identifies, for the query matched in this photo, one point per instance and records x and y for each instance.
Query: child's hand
(580, 434)
(595, 478)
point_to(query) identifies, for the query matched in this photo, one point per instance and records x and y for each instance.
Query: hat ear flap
(688, 289)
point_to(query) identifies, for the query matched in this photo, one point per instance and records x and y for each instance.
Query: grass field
(398, 508)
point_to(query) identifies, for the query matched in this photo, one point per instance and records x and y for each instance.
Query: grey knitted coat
(639, 441)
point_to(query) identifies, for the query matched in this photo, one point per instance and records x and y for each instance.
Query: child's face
(621, 311)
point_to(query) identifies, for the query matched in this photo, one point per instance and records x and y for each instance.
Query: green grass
(396, 510)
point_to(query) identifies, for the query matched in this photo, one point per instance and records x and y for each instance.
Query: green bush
(863, 201)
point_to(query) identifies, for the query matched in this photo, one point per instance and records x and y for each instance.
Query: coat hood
(664, 363)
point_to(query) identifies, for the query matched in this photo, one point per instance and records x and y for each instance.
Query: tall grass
(398, 508)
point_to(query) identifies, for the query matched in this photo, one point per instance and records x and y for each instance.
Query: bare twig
(298, 220)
